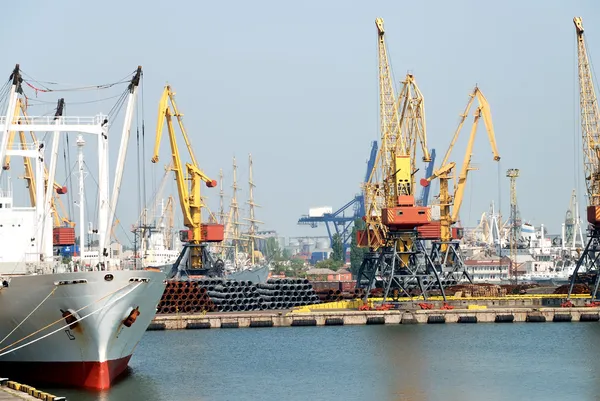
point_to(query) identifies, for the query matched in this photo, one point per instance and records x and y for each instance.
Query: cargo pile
(210, 295)
(233, 296)
(577, 289)
(476, 290)
(331, 295)
(516, 289)
(185, 297)
(287, 293)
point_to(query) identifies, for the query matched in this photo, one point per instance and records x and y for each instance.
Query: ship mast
(235, 214)
(252, 230)
(80, 144)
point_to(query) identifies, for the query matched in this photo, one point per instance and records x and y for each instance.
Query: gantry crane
(60, 219)
(198, 234)
(445, 251)
(590, 132)
(396, 258)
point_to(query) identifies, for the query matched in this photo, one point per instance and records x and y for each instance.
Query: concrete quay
(348, 317)
(13, 391)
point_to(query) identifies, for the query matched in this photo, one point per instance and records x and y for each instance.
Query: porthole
(108, 277)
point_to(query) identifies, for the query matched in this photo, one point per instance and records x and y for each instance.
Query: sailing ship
(239, 251)
(68, 325)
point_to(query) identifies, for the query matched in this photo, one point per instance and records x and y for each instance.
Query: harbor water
(519, 361)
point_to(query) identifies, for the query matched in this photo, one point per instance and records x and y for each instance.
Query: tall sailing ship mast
(252, 234)
(234, 219)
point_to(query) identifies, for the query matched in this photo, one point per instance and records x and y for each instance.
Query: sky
(295, 84)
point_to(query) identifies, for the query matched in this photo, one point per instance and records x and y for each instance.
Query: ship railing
(50, 120)
(24, 146)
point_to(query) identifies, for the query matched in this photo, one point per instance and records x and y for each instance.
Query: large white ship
(66, 324)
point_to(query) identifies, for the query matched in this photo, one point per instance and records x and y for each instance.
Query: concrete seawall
(346, 317)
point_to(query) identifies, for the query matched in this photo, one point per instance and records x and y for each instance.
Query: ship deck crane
(60, 218)
(189, 193)
(590, 132)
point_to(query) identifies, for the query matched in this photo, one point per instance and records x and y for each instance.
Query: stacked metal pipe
(232, 295)
(287, 293)
(185, 297)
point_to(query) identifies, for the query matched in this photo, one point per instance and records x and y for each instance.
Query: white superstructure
(75, 328)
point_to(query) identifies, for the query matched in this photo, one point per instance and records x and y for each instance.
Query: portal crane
(396, 255)
(450, 203)
(590, 131)
(189, 195)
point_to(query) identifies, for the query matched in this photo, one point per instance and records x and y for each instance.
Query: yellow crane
(450, 203)
(392, 181)
(60, 219)
(392, 218)
(590, 132)
(189, 193)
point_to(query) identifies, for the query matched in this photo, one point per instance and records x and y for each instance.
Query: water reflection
(402, 362)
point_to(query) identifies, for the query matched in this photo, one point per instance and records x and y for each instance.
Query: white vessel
(58, 325)
(539, 258)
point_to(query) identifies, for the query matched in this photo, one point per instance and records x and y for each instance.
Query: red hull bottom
(91, 375)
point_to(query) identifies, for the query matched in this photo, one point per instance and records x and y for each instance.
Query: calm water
(551, 361)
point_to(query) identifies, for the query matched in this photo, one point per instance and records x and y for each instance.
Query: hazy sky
(295, 84)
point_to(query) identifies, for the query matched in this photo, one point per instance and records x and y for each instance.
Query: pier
(13, 391)
(474, 314)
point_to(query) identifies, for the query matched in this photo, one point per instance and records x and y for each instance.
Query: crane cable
(2, 353)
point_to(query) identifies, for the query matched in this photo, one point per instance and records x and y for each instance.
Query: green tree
(330, 264)
(296, 268)
(337, 248)
(286, 254)
(272, 249)
(356, 253)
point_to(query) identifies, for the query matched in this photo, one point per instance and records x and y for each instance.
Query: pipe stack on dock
(185, 297)
(287, 293)
(232, 296)
(209, 295)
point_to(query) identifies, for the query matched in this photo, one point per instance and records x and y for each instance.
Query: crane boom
(590, 119)
(450, 204)
(590, 132)
(189, 195)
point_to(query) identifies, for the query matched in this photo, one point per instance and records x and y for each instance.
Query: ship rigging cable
(30, 313)
(2, 353)
(41, 85)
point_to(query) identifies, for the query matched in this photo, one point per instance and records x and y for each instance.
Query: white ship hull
(98, 349)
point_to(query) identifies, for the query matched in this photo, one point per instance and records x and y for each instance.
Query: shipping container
(319, 211)
(347, 286)
(325, 285)
(318, 256)
(63, 236)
